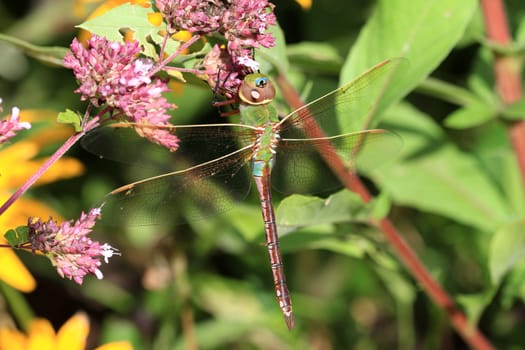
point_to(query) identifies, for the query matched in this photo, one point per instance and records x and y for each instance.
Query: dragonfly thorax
(265, 147)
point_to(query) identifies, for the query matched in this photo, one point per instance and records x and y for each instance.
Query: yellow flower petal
(305, 4)
(41, 335)
(16, 168)
(119, 345)
(21, 210)
(155, 18)
(14, 273)
(38, 115)
(11, 339)
(73, 334)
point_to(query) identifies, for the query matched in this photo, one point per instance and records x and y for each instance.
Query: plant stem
(507, 71)
(469, 333)
(48, 163)
(164, 62)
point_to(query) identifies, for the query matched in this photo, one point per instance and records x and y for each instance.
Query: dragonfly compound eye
(261, 82)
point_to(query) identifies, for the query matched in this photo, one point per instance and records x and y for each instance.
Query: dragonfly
(254, 150)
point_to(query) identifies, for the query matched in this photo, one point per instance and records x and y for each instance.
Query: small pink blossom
(243, 23)
(244, 26)
(196, 16)
(68, 246)
(12, 124)
(112, 74)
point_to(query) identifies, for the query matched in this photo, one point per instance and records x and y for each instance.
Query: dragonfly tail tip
(289, 319)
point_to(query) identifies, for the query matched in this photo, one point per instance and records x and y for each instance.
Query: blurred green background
(209, 282)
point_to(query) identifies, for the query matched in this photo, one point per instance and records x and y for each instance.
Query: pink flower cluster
(9, 126)
(73, 253)
(242, 22)
(112, 74)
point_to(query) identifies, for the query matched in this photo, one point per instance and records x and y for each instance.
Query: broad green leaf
(514, 286)
(352, 245)
(227, 298)
(247, 221)
(475, 304)
(493, 149)
(520, 33)
(470, 116)
(481, 79)
(303, 211)
(433, 175)
(315, 57)
(424, 32)
(70, 117)
(382, 205)
(447, 92)
(53, 55)
(506, 250)
(516, 111)
(132, 17)
(17, 236)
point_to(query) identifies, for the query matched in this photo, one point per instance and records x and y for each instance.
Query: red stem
(469, 333)
(507, 71)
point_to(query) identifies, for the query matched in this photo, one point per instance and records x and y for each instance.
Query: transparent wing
(351, 107)
(198, 143)
(300, 168)
(182, 196)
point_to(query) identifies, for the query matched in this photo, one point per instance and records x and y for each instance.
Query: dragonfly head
(256, 89)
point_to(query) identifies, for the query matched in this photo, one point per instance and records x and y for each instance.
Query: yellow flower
(16, 166)
(305, 4)
(41, 335)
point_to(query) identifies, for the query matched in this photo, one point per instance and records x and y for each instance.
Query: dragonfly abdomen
(262, 181)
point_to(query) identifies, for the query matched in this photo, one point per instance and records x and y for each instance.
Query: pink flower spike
(11, 125)
(110, 73)
(68, 246)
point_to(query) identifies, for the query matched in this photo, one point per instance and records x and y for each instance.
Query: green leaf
(433, 175)
(17, 236)
(315, 57)
(506, 250)
(424, 32)
(475, 304)
(470, 116)
(70, 117)
(514, 286)
(382, 205)
(53, 55)
(132, 17)
(302, 211)
(516, 111)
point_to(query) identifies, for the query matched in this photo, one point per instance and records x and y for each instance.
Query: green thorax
(256, 96)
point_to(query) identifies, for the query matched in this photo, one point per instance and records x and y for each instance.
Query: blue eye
(261, 82)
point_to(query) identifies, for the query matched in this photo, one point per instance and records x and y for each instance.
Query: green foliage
(17, 236)
(127, 17)
(70, 117)
(49, 55)
(454, 190)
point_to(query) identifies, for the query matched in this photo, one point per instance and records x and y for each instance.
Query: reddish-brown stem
(470, 334)
(164, 62)
(507, 71)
